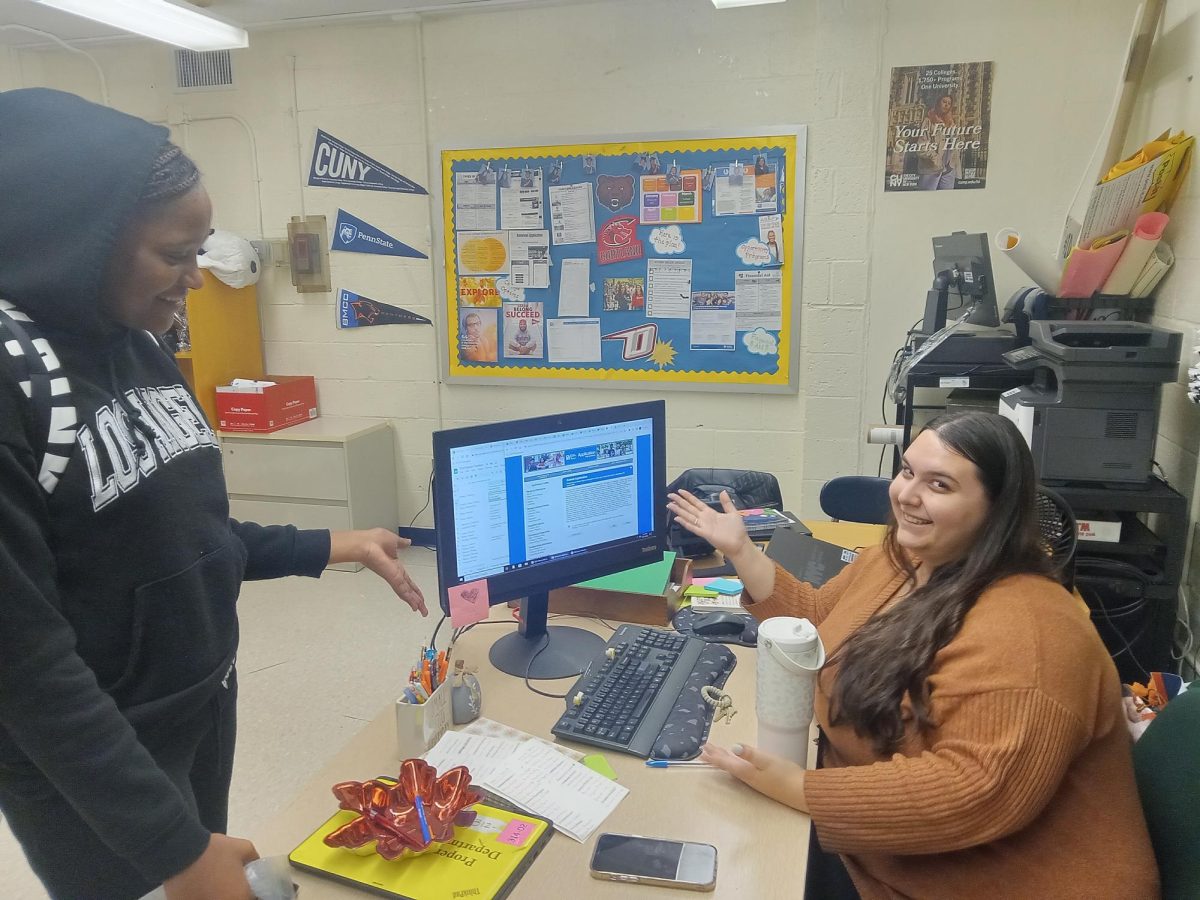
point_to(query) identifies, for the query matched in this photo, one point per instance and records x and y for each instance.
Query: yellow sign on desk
(481, 861)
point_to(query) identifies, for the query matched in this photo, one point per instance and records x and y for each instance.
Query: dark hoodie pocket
(185, 634)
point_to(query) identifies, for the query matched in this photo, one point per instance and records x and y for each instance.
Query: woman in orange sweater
(976, 745)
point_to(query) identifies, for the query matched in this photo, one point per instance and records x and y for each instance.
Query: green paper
(696, 590)
(651, 579)
(597, 763)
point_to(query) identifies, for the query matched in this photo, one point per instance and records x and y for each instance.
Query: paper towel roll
(1146, 234)
(1044, 270)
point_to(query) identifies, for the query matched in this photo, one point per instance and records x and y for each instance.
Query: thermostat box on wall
(290, 400)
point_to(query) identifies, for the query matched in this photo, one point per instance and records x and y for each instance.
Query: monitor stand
(566, 655)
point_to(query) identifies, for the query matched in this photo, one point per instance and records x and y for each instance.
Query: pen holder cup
(421, 725)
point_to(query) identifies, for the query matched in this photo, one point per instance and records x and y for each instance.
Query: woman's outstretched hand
(378, 549)
(724, 530)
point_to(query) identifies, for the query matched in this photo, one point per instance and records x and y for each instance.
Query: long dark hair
(892, 654)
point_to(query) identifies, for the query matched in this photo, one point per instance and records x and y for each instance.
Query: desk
(761, 844)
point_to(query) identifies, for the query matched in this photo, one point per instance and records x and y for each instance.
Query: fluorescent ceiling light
(159, 20)
(727, 4)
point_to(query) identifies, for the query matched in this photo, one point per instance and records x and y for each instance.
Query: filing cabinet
(329, 472)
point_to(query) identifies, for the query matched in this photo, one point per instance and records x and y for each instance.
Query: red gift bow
(388, 816)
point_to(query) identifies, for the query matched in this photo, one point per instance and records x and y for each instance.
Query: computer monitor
(535, 504)
(962, 268)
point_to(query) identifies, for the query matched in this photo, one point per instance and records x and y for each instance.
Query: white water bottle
(789, 655)
(269, 878)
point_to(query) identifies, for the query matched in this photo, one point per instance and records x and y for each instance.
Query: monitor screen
(535, 504)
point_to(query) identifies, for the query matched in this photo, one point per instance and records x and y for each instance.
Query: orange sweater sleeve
(793, 597)
(999, 759)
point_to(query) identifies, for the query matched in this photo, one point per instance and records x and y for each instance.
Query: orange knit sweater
(1023, 789)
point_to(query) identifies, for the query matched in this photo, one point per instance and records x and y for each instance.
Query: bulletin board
(645, 262)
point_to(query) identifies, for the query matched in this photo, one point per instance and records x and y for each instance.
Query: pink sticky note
(468, 603)
(516, 832)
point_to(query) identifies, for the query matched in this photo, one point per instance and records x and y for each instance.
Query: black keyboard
(629, 690)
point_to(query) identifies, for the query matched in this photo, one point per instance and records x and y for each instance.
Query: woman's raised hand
(724, 530)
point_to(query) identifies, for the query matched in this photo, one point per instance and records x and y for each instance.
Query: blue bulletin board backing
(645, 262)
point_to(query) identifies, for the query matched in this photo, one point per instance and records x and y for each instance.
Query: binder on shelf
(484, 860)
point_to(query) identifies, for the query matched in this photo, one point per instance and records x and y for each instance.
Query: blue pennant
(336, 164)
(352, 234)
(356, 311)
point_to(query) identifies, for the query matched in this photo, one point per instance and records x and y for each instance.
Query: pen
(672, 763)
(420, 805)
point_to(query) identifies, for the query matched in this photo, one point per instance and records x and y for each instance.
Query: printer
(1091, 413)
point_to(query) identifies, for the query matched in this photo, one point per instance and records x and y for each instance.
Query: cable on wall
(68, 47)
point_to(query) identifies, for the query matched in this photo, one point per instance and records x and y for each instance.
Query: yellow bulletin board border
(785, 376)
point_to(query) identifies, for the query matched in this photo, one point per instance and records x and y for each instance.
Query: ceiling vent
(211, 70)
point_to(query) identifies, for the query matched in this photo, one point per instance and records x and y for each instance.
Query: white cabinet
(326, 473)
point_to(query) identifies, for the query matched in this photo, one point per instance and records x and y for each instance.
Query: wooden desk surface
(761, 845)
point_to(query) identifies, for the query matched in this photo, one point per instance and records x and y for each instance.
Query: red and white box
(268, 405)
(1098, 527)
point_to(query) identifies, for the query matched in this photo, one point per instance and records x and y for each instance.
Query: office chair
(857, 498)
(1168, 778)
(1058, 534)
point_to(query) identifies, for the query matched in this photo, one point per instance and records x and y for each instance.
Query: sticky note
(725, 586)
(516, 832)
(697, 591)
(468, 603)
(597, 763)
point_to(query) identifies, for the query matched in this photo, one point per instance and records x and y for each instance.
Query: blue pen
(426, 836)
(672, 763)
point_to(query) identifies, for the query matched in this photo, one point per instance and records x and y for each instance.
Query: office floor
(319, 658)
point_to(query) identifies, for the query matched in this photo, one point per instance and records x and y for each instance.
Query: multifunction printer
(1091, 413)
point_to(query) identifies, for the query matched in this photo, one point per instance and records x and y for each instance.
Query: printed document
(759, 300)
(533, 774)
(713, 321)
(521, 201)
(668, 288)
(572, 215)
(573, 340)
(474, 203)
(575, 287)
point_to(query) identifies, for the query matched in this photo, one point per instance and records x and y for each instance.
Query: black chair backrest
(1056, 523)
(857, 498)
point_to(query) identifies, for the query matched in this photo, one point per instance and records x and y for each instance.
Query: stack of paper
(711, 594)
(534, 775)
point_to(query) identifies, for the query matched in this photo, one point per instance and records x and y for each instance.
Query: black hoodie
(118, 588)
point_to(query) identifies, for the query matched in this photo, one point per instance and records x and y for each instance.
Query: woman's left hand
(378, 549)
(778, 778)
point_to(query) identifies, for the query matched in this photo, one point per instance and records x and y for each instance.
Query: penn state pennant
(353, 235)
(355, 311)
(336, 164)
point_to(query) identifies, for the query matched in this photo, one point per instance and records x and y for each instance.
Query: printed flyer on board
(939, 124)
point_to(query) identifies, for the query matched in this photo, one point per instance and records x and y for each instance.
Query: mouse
(720, 623)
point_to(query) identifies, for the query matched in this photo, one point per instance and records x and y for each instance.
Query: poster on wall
(939, 123)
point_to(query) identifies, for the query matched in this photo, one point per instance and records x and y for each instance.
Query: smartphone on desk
(641, 860)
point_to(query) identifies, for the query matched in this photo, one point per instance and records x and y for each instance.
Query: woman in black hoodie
(119, 563)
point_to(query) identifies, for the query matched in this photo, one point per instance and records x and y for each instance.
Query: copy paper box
(292, 399)
(1097, 527)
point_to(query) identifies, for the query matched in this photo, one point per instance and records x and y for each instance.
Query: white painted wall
(1171, 99)
(400, 90)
